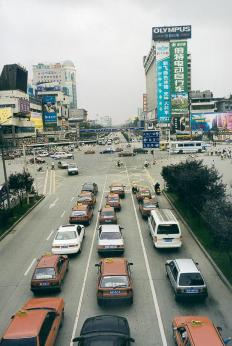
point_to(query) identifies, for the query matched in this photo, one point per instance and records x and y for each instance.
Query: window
(191, 279)
(114, 281)
(174, 272)
(168, 229)
(46, 327)
(44, 273)
(60, 265)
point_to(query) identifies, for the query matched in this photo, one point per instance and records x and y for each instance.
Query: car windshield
(145, 192)
(168, 229)
(107, 213)
(78, 213)
(72, 165)
(191, 279)
(149, 205)
(66, 235)
(83, 198)
(114, 281)
(110, 235)
(44, 273)
(19, 342)
(116, 188)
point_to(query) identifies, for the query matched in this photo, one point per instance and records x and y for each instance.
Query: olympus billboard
(166, 33)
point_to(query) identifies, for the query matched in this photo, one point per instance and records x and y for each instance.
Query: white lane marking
(62, 214)
(54, 181)
(154, 296)
(30, 266)
(51, 176)
(53, 203)
(72, 199)
(45, 183)
(50, 234)
(86, 272)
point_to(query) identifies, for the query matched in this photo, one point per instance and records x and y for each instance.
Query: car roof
(48, 260)
(164, 216)
(67, 228)
(112, 195)
(85, 193)
(107, 209)
(27, 323)
(201, 329)
(88, 184)
(116, 185)
(114, 266)
(80, 207)
(186, 265)
(105, 323)
(110, 228)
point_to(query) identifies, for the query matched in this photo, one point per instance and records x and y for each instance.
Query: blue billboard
(49, 110)
(151, 139)
(163, 82)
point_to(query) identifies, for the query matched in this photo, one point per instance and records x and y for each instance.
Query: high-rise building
(64, 74)
(13, 77)
(168, 77)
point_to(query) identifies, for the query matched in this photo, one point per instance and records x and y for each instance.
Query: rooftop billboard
(167, 33)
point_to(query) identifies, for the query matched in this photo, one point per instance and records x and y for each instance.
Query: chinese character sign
(49, 110)
(163, 82)
(179, 77)
(151, 139)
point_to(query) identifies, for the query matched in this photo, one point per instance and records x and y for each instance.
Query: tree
(20, 183)
(194, 183)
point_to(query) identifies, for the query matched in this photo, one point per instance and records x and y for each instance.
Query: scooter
(40, 169)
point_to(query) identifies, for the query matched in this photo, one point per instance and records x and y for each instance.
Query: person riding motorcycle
(157, 188)
(119, 163)
(146, 163)
(53, 165)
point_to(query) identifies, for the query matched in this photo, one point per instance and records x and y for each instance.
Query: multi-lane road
(154, 305)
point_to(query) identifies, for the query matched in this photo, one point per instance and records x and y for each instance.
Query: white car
(110, 239)
(61, 155)
(43, 154)
(72, 169)
(68, 240)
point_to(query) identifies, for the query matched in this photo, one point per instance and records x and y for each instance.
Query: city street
(154, 305)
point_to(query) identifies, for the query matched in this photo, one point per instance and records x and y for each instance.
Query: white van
(164, 229)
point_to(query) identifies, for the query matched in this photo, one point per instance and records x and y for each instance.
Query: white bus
(185, 147)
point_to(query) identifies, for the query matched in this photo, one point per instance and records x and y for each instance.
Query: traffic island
(10, 218)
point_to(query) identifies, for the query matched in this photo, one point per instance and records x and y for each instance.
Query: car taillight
(73, 245)
(56, 246)
(155, 239)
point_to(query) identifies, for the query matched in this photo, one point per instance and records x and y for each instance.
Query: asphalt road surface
(154, 305)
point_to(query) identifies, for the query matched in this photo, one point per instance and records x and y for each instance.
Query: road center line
(86, 271)
(50, 235)
(62, 214)
(45, 183)
(30, 266)
(154, 296)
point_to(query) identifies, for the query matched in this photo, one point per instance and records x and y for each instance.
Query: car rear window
(113, 199)
(66, 235)
(107, 213)
(168, 229)
(149, 205)
(78, 213)
(110, 235)
(116, 188)
(191, 279)
(44, 273)
(114, 281)
(19, 342)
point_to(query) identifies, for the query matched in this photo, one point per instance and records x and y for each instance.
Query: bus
(185, 147)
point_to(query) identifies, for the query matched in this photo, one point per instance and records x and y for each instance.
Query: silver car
(186, 279)
(110, 240)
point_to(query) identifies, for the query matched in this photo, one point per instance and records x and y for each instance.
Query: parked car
(118, 149)
(36, 323)
(114, 282)
(72, 169)
(90, 187)
(113, 200)
(62, 164)
(61, 155)
(38, 160)
(147, 205)
(143, 192)
(68, 239)
(107, 215)
(86, 197)
(196, 331)
(118, 188)
(126, 153)
(43, 153)
(105, 328)
(8, 156)
(81, 213)
(110, 240)
(49, 273)
(186, 278)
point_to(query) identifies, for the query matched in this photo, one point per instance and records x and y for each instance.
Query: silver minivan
(164, 229)
(186, 278)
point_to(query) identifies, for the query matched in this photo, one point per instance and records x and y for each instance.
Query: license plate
(168, 240)
(107, 220)
(111, 247)
(192, 290)
(115, 292)
(44, 284)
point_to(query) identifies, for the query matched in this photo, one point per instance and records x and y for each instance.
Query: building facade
(63, 74)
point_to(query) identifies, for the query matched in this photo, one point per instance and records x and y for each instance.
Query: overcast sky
(107, 39)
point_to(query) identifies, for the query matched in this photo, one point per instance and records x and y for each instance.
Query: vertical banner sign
(151, 139)
(179, 77)
(163, 82)
(49, 110)
(144, 102)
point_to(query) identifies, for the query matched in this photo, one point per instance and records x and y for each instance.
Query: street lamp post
(4, 167)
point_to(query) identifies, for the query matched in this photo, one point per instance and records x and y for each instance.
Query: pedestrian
(213, 163)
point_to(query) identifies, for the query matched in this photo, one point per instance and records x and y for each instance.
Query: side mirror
(79, 338)
(121, 227)
(97, 265)
(131, 264)
(197, 263)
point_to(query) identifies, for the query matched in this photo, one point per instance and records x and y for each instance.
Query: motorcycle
(157, 189)
(40, 169)
(146, 165)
